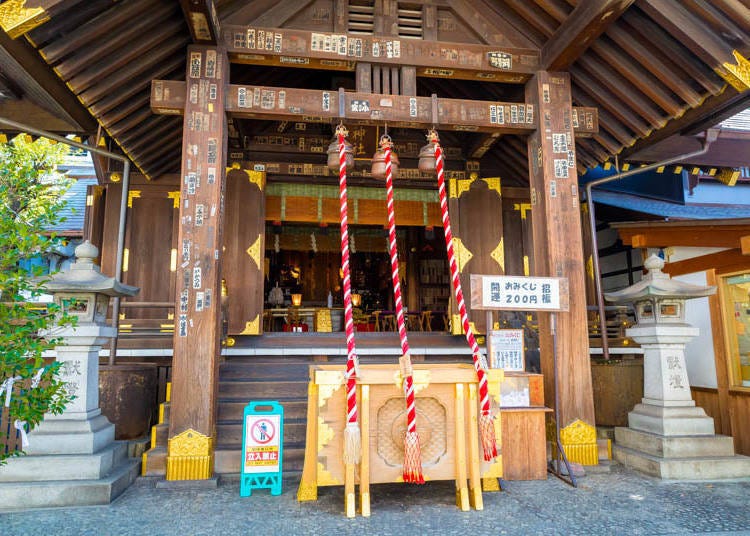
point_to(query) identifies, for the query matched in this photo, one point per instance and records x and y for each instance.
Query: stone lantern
(72, 457)
(667, 434)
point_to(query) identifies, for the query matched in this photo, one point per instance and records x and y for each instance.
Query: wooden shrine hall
(227, 110)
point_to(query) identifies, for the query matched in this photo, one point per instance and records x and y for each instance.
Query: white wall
(699, 353)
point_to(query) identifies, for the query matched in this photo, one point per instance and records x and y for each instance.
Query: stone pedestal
(668, 435)
(72, 458)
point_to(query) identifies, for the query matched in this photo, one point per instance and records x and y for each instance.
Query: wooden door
(244, 258)
(476, 207)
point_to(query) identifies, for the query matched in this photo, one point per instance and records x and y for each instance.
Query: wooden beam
(202, 21)
(483, 145)
(745, 245)
(718, 236)
(584, 25)
(341, 52)
(17, 18)
(701, 39)
(713, 110)
(315, 106)
(731, 260)
(558, 252)
(52, 92)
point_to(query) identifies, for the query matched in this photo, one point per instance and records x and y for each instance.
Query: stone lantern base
(72, 459)
(694, 457)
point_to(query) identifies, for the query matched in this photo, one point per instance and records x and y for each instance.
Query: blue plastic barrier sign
(262, 447)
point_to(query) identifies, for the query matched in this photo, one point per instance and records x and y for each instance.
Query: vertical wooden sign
(198, 294)
(558, 252)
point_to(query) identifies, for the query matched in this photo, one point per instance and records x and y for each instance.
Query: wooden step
(253, 370)
(165, 408)
(228, 433)
(262, 390)
(232, 410)
(227, 459)
(160, 434)
(155, 462)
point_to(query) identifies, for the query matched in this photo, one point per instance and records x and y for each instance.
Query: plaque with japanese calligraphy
(516, 293)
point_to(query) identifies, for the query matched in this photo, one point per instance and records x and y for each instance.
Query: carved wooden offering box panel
(447, 415)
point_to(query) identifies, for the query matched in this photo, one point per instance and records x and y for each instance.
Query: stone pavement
(619, 502)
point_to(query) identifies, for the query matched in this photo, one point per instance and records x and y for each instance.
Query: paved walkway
(617, 503)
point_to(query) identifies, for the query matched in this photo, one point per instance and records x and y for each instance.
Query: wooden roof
(653, 68)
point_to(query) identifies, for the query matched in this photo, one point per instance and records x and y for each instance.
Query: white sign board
(517, 293)
(505, 348)
(261, 447)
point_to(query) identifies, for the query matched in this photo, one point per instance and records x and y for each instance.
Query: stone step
(54, 493)
(231, 432)
(232, 410)
(154, 462)
(704, 468)
(262, 390)
(65, 466)
(675, 446)
(227, 459)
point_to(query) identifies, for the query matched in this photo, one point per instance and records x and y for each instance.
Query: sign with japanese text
(505, 349)
(262, 447)
(516, 293)
(261, 454)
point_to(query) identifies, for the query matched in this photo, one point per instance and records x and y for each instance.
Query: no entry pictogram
(263, 431)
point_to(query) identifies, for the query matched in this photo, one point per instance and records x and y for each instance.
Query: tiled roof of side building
(75, 209)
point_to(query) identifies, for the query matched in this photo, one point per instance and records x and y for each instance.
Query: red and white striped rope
(412, 462)
(479, 362)
(351, 350)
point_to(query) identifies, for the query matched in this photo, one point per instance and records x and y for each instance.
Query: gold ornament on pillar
(378, 160)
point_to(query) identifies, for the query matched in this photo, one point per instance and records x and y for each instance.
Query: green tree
(31, 191)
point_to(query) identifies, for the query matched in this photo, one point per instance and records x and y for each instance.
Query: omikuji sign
(515, 293)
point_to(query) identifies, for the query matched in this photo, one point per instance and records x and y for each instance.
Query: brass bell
(378, 159)
(333, 152)
(427, 158)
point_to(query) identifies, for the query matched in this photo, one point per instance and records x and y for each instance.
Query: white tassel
(7, 386)
(37, 378)
(21, 427)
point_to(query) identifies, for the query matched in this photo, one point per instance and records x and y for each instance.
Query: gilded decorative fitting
(17, 19)
(190, 456)
(739, 74)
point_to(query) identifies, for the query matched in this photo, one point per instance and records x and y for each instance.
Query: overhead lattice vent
(410, 21)
(361, 17)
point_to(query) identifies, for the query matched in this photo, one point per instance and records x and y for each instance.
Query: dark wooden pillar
(192, 426)
(558, 252)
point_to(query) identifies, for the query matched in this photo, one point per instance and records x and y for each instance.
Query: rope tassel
(487, 435)
(412, 459)
(486, 425)
(352, 443)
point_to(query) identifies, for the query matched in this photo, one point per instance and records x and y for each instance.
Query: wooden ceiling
(653, 68)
